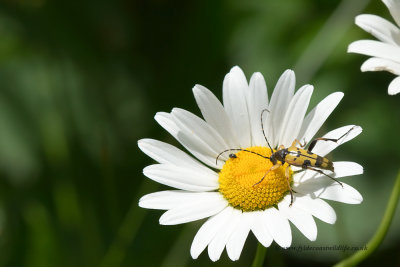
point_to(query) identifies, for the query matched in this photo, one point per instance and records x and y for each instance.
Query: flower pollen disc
(239, 180)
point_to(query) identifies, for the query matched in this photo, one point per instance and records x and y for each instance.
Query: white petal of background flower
(394, 9)
(203, 207)
(316, 207)
(294, 115)
(322, 148)
(317, 116)
(375, 49)
(257, 102)
(208, 231)
(181, 177)
(215, 114)
(382, 29)
(301, 219)
(394, 86)
(280, 99)
(380, 64)
(235, 94)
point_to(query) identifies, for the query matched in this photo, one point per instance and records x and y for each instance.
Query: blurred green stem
(380, 234)
(127, 231)
(260, 256)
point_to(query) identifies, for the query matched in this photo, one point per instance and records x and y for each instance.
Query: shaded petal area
(280, 99)
(322, 148)
(215, 114)
(208, 231)
(301, 219)
(294, 116)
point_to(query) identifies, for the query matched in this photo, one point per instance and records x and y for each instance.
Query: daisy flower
(228, 190)
(385, 53)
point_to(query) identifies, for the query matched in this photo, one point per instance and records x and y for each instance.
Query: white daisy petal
(190, 142)
(386, 52)
(280, 99)
(208, 230)
(314, 120)
(375, 49)
(322, 148)
(257, 102)
(278, 227)
(236, 241)
(382, 29)
(221, 238)
(204, 206)
(235, 94)
(166, 153)
(316, 207)
(342, 169)
(199, 129)
(380, 64)
(260, 229)
(181, 177)
(295, 115)
(215, 114)
(394, 8)
(328, 189)
(165, 200)
(394, 86)
(301, 219)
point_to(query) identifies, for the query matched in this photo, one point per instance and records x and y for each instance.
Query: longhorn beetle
(294, 156)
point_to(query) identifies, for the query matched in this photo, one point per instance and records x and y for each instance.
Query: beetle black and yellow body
(301, 158)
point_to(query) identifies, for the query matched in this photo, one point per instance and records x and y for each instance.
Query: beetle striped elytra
(294, 156)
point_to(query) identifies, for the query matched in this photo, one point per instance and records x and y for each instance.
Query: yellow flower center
(239, 180)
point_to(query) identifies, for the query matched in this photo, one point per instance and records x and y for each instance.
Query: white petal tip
(236, 68)
(289, 72)
(312, 238)
(339, 94)
(353, 47)
(164, 221)
(394, 86)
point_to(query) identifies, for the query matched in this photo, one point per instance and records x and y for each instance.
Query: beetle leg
(298, 142)
(287, 174)
(314, 142)
(276, 166)
(321, 172)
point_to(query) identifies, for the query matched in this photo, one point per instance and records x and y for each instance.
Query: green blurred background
(80, 83)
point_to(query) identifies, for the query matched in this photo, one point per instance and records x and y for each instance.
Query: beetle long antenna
(262, 127)
(239, 149)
